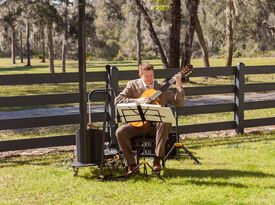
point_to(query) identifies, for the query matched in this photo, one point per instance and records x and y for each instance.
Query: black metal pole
(82, 77)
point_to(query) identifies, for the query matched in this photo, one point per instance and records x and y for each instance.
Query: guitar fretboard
(167, 85)
(185, 72)
(162, 89)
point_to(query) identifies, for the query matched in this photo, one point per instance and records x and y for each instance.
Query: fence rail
(238, 89)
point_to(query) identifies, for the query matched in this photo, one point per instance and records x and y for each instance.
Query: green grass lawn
(229, 174)
(234, 170)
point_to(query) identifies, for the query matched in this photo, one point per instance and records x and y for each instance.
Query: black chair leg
(163, 162)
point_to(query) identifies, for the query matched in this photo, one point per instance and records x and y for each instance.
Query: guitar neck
(162, 89)
(185, 72)
(167, 85)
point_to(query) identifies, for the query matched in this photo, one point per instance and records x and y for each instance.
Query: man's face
(147, 76)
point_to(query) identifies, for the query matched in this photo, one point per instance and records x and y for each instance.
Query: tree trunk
(153, 33)
(28, 45)
(50, 47)
(21, 47)
(65, 38)
(43, 44)
(174, 36)
(138, 38)
(13, 55)
(192, 6)
(64, 52)
(202, 43)
(229, 31)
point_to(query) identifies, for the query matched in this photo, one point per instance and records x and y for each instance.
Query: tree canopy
(170, 30)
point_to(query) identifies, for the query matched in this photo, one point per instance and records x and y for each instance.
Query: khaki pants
(126, 132)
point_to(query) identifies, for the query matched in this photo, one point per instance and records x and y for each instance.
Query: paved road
(189, 101)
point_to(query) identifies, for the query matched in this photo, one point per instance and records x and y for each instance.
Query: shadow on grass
(22, 68)
(16, 163)
(212, 173)
(196, 177)
(115, 62)
(109, 174)
(213, 183)
(39, 160)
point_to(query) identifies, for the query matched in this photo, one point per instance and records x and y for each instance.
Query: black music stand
(178, 145)
(132, 112)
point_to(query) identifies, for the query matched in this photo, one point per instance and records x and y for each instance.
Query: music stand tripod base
(178, 146)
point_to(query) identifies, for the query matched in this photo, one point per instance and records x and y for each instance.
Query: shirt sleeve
(126, 95)
(176, 98)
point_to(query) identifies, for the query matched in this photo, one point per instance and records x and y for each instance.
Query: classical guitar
(154, 94)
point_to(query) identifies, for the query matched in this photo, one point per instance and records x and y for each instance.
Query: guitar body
(146, 93)
(149, 93)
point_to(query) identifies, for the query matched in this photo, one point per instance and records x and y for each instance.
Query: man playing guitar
(133, 92)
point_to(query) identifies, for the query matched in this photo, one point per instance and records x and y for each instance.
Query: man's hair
(145, 66)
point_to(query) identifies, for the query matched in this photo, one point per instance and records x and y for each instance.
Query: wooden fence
(237, 107)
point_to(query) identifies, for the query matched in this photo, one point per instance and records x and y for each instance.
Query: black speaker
(90, 152)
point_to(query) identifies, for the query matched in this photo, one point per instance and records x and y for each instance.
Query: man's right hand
(143, 100)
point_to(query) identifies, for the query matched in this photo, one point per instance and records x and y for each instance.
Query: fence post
(239, 98)
(113, 84)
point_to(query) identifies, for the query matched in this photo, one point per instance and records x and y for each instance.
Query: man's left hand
(178, 77)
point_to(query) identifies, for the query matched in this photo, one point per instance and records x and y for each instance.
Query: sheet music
(153, 113)
(135, 104)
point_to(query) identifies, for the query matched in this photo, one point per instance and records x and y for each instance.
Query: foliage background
(111, 29)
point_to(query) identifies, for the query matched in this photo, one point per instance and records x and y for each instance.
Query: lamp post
(82, 78)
